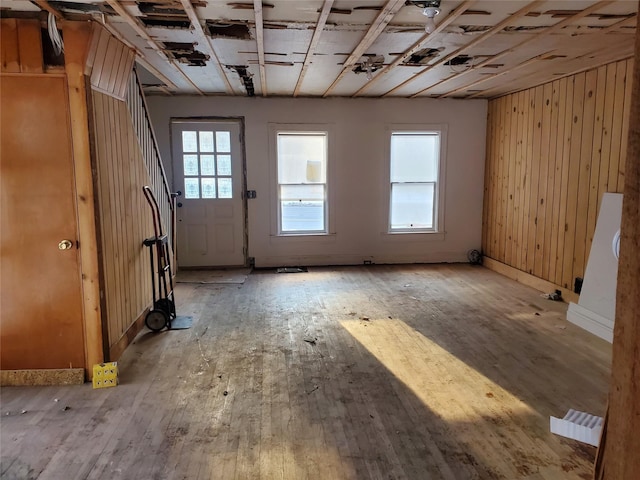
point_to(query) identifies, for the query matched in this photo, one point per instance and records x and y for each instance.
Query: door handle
(65, 245)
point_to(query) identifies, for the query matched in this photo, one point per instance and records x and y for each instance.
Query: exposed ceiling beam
(322, 20)
(133, 22)
(485, 36)
(44, 5)
(554, 28)
(377, 27)
(418, 45)
(483, 93)
(535, 82)
(524, 64)
(257, 10)
(206, 41)
(633, 19)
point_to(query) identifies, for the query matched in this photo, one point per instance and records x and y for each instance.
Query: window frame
(299, 129)
(439, 191)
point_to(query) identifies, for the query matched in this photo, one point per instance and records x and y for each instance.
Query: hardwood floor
(381, 372)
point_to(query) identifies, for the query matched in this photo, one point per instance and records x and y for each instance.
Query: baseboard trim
(44, 376)
(592, 322)
(528, 279)
(125, 340)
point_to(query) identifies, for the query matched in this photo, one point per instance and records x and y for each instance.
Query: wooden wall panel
(124, 214)
(552, 151)
(21, 46)
(111, 63)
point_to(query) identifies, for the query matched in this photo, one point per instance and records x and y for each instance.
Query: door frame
(243, 166)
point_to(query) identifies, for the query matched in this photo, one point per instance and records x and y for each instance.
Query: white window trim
(439, 211)
(274, 211)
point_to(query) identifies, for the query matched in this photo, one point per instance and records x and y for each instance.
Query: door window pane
(189, 141)
(207, 165)
(206, 141)
(208, 188)
(190, 165)
(224, 188)
(223, 142)
(191, 188)
(203, 166)
(224, 164)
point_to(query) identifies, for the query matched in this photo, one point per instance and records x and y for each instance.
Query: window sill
(413, 236)
(303, 238)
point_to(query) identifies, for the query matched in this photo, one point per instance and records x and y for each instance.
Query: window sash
(414, 181)
(414, 198)
(302, 191)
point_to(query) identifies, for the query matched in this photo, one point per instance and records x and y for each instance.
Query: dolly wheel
(156, 320)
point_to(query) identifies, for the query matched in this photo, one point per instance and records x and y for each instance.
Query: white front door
(208, 173)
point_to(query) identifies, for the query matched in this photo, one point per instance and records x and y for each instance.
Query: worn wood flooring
(372, 372)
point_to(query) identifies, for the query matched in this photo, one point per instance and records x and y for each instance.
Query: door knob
(65, 245)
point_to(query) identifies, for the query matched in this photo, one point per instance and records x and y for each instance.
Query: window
(414, 169)
(206, 159)
(302, 182)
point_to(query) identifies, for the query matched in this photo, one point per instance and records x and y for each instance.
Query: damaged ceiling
(356, 48)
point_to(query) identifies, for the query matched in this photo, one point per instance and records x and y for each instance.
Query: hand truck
(164, 306)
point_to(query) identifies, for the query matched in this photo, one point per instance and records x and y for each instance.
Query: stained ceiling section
(356, 48)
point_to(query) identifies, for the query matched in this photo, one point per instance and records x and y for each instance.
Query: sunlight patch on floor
(433, 374)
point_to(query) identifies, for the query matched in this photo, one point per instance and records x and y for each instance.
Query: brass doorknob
(65, 245)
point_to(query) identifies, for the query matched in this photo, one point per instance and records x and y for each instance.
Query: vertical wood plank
(526, 181)
(557, 223)
(98, 57)
(607, 127)
(566, 161)
(574, 170)
(488, 168)
(537, 106)
(9, 45)
(584, 173)
(625, 124)
(542, 200)
(504, 179)
(30, 46)
(77, 39)
(596, 158)
(616, 129)
(511, 177)
(550, 199)
(516, 257)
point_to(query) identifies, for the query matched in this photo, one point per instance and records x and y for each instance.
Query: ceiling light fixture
(430, 13)
(430, 8)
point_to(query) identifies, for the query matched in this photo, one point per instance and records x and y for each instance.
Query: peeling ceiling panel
(289, 26)
(155, 59)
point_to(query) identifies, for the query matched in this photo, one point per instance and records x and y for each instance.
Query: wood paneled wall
(125, 220)
(110, 64)
(21, 48)
(552, 151)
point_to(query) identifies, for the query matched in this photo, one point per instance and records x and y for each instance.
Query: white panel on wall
(596, 309)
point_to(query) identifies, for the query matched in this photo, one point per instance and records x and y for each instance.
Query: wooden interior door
(208, 173)
(41, 322)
